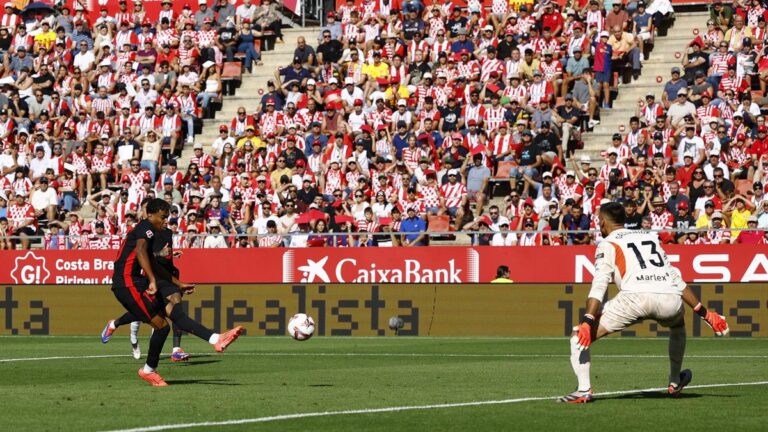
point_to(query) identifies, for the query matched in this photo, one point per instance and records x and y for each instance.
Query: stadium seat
(502, 173)
(742, 186)
(438, 223)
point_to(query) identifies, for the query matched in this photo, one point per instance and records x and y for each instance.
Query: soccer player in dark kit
(164, 254)
(152, 295)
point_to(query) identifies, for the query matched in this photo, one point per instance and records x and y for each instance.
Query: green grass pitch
(262, 377)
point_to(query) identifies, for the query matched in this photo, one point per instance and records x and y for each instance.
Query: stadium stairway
(247, 94)
(660, 63)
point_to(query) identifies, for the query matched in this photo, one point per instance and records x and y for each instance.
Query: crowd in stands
(398, 119)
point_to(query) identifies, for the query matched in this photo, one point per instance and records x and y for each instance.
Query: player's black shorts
(132, 295)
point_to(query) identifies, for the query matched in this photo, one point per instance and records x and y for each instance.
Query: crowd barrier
(364, 309)
(448, 264)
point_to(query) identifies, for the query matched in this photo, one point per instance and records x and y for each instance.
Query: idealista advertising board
(364, 309)
(445, 264)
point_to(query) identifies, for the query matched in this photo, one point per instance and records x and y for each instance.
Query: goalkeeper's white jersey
(635, 261)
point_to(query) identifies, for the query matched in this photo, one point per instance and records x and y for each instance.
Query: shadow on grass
(320, 385)
(202, 381)
(653, 395)
(197, 362)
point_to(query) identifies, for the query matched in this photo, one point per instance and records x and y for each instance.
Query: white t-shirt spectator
(37, 166)
(499, 239)
(41, 200)
(215, 241)
(261, 223)
(84, 60)
(691, 147)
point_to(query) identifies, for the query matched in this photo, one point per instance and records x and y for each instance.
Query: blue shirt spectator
(415, 227)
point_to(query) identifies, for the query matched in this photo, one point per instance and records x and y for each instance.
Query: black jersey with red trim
(127, 265)
(162, 239)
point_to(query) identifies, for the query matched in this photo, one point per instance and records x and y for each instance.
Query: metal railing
(550, 233)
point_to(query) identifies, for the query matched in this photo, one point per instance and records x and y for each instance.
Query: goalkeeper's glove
(585, 332)
(714, 320)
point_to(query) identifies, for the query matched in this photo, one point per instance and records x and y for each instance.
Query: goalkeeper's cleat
(577, 397)
(153, 378)
(106, 334)
(136, 351)
(179, 355)
(225, 339)
(674, 390)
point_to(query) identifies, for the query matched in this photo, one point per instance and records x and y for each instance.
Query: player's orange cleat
(227, 338)
(577, 397)
(154, 379)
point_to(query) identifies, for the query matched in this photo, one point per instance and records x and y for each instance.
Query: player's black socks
(188, 325)
(127, 318)
(176, 335)
(156, 343)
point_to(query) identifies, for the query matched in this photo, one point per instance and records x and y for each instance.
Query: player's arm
(142, 254)
(714, 320)
(604, 265)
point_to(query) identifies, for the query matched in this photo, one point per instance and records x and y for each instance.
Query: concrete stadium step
(662, 59)
(247, 94)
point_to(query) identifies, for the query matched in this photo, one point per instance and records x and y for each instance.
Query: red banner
(448, 264)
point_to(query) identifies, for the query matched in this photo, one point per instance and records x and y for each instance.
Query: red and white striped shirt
(453, 194)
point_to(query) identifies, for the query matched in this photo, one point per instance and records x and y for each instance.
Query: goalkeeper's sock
(127, 318)
(186, 323)
(156, 342)
(580, 361)
(176, 336)
(135, 332)
(676, 353)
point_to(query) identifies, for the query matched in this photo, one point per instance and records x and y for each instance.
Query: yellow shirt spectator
(45, 39)
(376, 71)
(739, 220)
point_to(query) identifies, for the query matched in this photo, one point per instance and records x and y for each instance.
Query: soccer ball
(301, 327)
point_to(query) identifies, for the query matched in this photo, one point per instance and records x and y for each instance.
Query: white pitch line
(411, 355)
(407, 408)
(24, 359)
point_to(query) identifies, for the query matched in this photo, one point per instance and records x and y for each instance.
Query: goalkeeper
(649, 288)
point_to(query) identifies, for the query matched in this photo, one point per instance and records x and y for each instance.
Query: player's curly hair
(157, 205)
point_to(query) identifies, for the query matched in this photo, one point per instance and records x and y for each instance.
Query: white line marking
(425, 355)
(408, 408)
(9, 360)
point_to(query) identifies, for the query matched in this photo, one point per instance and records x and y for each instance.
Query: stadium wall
(444, 264)
(365, 309)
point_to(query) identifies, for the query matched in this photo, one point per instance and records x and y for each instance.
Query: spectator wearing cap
(672, 88)
(602, 56)
(22, 219)
(332, 26)
(683, 220)
(691, 145)
(717, 234)
(296, 72)
(752, 235)
(714, 162)
(413, 228)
